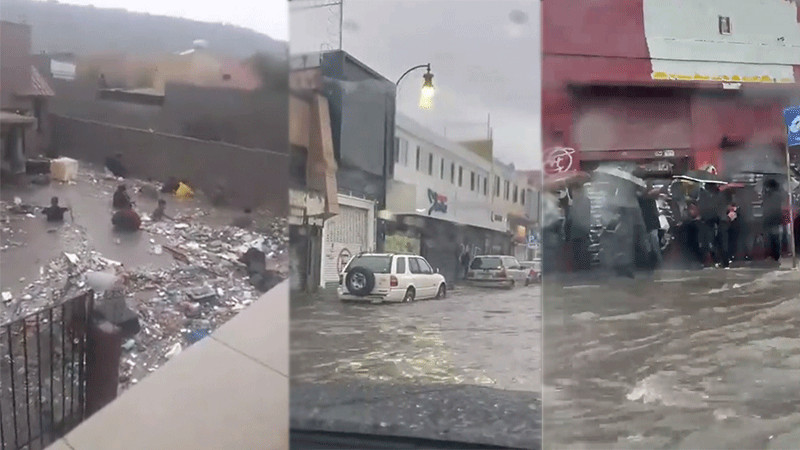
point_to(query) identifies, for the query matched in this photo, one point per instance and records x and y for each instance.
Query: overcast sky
(269, 17)
(484, 54)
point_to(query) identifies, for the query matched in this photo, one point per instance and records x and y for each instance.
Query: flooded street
(707, 359)
(437, 368)
(481, 337)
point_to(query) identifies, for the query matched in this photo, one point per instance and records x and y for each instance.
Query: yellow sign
(719, 78)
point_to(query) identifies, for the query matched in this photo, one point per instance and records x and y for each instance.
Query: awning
(15, 119)
(38, 87)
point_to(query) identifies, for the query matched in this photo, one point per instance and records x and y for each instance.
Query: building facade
(361, 105)
(679, 86)
(439, 198)
(24, 96)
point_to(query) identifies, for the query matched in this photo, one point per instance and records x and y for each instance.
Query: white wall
(464, 205)
(685, 43)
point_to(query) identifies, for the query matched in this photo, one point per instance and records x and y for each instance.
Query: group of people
(710, 225)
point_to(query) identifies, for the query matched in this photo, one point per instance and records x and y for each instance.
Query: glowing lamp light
(426, 95)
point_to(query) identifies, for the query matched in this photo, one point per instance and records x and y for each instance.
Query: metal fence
(43, 374)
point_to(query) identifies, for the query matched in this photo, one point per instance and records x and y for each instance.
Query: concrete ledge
(230, 390)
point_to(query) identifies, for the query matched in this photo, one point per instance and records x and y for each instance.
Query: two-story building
(680, 84)
(440, 200)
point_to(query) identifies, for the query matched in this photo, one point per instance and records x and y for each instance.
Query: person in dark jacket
(464, 261)
(126, 219)
(171, 185)
(160, 212)
(580, 219)
(650, 214)
(709, 204)
(773, 217)
(121, 198)
(54, 212)
(115, 166)
(744, 198)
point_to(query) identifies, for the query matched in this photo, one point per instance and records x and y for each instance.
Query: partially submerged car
(388, 277)
(496, 271)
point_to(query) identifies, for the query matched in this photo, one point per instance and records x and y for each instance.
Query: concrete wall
(251, 177)
(255, 119)
(685, 41)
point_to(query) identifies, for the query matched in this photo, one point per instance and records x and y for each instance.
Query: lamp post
(426, 94)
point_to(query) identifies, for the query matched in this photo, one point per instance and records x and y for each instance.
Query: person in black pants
(772, 217)
(580, 217)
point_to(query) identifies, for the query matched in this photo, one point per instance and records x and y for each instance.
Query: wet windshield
(434, 151)
(486, 263)
(377, 264)
(669, 233)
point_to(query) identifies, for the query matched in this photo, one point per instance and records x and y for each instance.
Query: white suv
(386, 277)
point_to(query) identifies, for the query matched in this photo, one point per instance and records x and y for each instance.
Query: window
(506, 189)
(522, 197)
(419, 155)
(486, 263)
(724, 25)
(485, 187)
(401, 265)
(396, 150)
(472, 181)
(441, 168)
(516, 193)
(424, 266)
(404, 152)
(497, 186)
(430, 163)
(460, 176)
(413, 264)
(452, 173)
(377, 264)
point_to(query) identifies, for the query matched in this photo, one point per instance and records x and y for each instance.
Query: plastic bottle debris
(174, 350)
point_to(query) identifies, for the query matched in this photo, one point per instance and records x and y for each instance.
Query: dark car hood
(454, 413)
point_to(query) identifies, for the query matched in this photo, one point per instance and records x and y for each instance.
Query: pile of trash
(204, 283)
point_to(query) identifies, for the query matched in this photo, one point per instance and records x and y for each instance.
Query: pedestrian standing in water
(647, 203)
(465, 259)
(121, 198)
(708, 202)
(772, 217)
(54, 212)
(580, 220)
(160, 212)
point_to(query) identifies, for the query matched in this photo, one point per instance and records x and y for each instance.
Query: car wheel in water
(409, 297)
(442, 292)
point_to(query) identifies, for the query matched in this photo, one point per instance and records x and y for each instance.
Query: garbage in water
(198, 285)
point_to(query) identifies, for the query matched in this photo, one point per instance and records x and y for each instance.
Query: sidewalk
(230, 390)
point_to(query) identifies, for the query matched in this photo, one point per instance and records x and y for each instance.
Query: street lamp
(426, 95)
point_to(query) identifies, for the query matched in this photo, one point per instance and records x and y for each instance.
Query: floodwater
(463, 369)
(480, 337)
(703, 359)
(89, 197)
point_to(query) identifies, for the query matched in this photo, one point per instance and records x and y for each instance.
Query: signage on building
(533, 242)
(438, 202)
(664, 153)
(658, 167)
(559, 160)
(792, 117)
(497, 217)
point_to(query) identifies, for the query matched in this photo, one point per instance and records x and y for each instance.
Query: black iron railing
(43, 374)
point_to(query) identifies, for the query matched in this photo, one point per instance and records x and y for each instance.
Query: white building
(440, 198)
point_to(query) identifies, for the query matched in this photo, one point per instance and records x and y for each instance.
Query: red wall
(603, 42)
